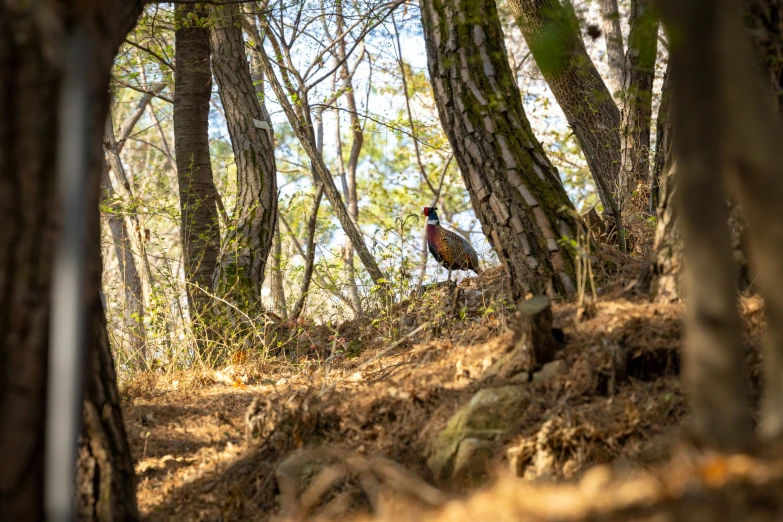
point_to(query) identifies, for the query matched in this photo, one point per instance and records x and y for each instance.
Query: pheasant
(449, 249)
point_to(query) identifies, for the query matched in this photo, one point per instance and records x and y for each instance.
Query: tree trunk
(310, 259)
(613, 35)
(516, 193)
(662, 142)
(714, 372)
(30, 75)
(133, 313)
(256, 210)
(278, 291)
(357, 140)
(551, 30)
(764, 18)
(138, 284)
(197, 192)
(105, 479)
(667, 265)
(638, 77)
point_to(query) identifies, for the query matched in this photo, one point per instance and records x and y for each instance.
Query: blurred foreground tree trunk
(727, 144)
(764, 20)
(242, 273)
(200, 228)
(31, 69)
(552, 32)
(515, 191)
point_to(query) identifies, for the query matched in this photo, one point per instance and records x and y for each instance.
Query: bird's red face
(427, 211)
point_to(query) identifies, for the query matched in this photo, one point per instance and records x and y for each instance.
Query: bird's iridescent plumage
(449, 249)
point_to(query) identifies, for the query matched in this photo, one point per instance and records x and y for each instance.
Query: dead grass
(616, 401)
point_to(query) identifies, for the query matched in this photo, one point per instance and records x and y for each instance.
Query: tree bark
(516, 193)
(256, 210)
(764, 18)
(551, 30)
(310, 259)
(352, 199)
(138, 284)
(726, 128)
(662, 142)
(714, 371)
(278, 291)
(613, 35)
(667, 265)
(133, 312)
(105, 479)
(638, 77)
(197, 192)
(30, 75)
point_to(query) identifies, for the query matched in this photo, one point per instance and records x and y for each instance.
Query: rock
(471, 462)
(489, 415)
(549, 371)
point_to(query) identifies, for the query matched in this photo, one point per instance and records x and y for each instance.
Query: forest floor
(597, 439)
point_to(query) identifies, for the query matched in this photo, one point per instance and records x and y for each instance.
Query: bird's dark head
(430, 213)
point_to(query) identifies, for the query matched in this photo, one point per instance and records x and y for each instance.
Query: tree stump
(533, 344)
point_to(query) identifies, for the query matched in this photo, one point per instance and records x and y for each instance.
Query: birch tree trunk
(638, 77)
(30, 76)
(613, 35)
(552, 32)
(242, 273)
(516, 193)
(197, 192)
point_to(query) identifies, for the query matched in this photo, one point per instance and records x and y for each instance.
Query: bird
(448, 248)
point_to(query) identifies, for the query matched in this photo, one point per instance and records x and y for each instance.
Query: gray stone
(549, 371)
(489, 415)
(471, 464)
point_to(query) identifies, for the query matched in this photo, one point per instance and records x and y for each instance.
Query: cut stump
(533, 344)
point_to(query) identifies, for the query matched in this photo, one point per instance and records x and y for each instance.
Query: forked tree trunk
(551, 30)
(242, 272)
(200, 229)
(613, 35)
(638, 77)
(30, 75)
(516, 193)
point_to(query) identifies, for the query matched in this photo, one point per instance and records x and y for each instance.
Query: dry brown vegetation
(319, 437)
